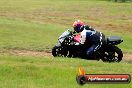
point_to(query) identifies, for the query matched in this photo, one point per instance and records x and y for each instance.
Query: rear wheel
(113, 54)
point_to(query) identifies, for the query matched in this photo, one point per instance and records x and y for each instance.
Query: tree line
(120, 0)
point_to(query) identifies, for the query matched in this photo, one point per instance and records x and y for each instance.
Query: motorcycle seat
(114, 38)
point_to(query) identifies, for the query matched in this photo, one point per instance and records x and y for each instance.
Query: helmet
(77, 25)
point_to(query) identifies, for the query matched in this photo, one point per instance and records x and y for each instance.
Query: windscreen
(64, 35)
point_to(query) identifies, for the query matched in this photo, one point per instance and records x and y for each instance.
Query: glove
(77, 43)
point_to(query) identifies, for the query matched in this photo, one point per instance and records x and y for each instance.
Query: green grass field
(41, 72)
(35, 25)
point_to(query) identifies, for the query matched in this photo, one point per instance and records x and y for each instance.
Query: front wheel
(58, 51)
(113, 54)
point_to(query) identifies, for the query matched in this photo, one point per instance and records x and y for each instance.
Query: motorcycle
(68, 46)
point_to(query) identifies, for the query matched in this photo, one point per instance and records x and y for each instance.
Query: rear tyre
(113, 54)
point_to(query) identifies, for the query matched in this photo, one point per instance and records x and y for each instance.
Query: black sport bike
(68, 46)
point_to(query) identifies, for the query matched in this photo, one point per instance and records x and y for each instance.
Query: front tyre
(113, 54)
(59, 51)
(56, 51)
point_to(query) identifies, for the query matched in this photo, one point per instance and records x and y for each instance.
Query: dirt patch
(31, 53)
(126, 57)
(27, 53)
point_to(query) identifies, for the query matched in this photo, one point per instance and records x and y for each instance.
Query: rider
(88, 34)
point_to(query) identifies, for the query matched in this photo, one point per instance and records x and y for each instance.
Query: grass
(25, 35)
(36, 25)
(19, 34)
(41, 72)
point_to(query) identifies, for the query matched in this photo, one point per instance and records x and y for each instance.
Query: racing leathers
(90, 35)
